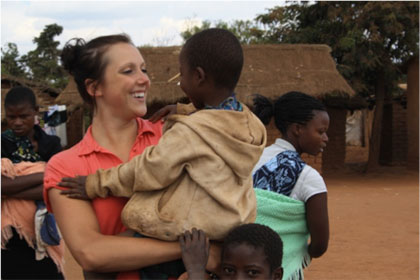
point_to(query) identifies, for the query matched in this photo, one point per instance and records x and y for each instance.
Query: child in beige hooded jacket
(199, 174)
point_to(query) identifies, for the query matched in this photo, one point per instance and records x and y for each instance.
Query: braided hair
(292, 107)
(259, 236)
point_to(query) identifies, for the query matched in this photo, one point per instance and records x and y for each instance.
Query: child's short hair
(292, 107)
(20, 95)
(219, 53)
(259, 236)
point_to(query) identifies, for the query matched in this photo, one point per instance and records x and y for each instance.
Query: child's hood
(239, 138)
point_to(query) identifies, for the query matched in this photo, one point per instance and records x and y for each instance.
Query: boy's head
(21, 109)
(252, 251)
(210, 55)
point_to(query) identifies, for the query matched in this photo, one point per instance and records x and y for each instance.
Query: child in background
(291, 195)
(27, 252)
(250, 251)
(201, 168)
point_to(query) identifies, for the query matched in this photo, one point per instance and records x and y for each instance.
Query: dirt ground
(374, 227)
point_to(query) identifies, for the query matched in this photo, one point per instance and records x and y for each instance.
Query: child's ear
(91, 87)
(201, 74)
(278, 273)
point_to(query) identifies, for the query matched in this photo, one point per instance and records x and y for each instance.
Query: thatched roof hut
(270, 70)
(45, 95)
(70, 96)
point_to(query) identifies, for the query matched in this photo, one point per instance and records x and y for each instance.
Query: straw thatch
(45, 95)
(270, 70)
(70, 96)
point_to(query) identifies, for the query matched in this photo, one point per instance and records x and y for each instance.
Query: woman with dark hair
(291, 195)
(111, 76)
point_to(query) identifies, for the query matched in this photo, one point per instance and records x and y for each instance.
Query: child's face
(313, 136)
(20, 118)
(244, 261)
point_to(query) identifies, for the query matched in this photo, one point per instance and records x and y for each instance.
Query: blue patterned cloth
(279, 174)
(24, 148)
(230, 103)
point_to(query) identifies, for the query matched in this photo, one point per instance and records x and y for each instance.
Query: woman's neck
(292, 141)
(114, 134)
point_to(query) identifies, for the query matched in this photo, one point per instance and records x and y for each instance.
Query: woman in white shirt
(303, 123)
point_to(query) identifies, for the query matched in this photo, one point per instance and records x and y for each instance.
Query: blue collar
(230, 103)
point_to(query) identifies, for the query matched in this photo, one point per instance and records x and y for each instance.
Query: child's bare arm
(317, 220)
(195, 252)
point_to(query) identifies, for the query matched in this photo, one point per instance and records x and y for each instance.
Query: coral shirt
(85, 158)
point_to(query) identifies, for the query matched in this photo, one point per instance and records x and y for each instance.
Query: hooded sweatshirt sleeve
(156, 168)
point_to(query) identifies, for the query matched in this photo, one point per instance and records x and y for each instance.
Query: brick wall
(399, 134)
(334, 154)
(413, 114)
(394, 139)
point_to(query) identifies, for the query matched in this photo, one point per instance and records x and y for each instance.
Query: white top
(309, 182)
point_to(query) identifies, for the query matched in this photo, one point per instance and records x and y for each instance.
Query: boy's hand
(163, 113)
(195, 252)
(76, 187)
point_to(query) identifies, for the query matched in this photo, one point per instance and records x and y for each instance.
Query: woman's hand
(76, 187)
(163, 113)
(195, 252)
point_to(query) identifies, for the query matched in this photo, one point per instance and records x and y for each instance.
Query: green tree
(43, 62)
(369, 41)
(247, 32)
(10, 63)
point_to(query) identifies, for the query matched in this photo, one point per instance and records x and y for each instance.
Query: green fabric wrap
(286, 216)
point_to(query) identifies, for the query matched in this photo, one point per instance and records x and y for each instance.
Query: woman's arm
(318, 226)
(20, 183)
(105, 253)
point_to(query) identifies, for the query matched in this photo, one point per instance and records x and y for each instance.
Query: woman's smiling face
(123, 90)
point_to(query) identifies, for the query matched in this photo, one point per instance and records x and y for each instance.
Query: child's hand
(215, 257)
(76, 187)
(195, 251)
(163, 113)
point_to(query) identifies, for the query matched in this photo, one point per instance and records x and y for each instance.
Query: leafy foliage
(10, 63)
(41, 64)
(365, 37)
(246, 31)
